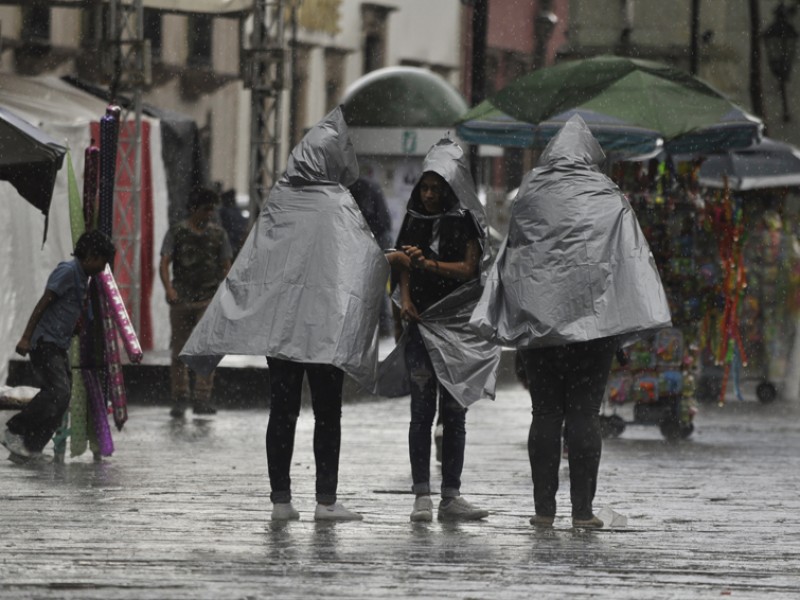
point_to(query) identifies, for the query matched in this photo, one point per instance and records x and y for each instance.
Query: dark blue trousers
(424, 388)
(38, 421)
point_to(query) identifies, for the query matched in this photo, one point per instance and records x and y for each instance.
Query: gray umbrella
(766, 164)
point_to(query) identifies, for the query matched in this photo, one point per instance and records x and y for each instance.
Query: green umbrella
(640, 92)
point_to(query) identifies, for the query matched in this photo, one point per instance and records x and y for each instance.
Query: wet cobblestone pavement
(181, 511)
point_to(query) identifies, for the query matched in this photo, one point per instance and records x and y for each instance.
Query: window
(36, 24)
(373, 52)
(152, 32)
(94, 20)
(334, 75)
(199, 40)
(374, 17)
(297, 116)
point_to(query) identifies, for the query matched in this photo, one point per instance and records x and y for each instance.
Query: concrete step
(239, 381)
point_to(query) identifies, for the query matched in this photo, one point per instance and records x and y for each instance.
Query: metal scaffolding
(125, 64)
(263, 75)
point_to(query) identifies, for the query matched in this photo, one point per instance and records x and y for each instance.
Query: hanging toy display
(727, 224)
(100, 388)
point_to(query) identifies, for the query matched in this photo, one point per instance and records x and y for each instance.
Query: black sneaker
(204, 409)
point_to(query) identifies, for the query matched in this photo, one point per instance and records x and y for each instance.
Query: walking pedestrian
(305, 292)
(574, 280)
(199, 252)
(47, 339)
(444, 235)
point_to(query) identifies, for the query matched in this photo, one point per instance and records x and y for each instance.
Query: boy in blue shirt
(47, 339)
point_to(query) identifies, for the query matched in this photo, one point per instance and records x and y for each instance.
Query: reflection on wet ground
(182, 511)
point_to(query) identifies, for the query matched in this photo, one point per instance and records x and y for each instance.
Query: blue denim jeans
(38, 421)
(424, 388)
(285, 385)
(566, 384)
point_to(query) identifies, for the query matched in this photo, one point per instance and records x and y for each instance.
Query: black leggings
(285, 384)
(567, 384)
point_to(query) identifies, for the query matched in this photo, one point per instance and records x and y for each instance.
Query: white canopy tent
(66, 114)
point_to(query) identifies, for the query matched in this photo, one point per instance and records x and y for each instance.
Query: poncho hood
(324, 155)
(448, 160)
(575, 265)
(573, 145)
(308, 284)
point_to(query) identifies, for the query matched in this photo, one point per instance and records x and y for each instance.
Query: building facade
(727, 35)
(196, 59)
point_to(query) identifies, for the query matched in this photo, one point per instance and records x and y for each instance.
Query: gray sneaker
(458, 509)
(593, 523)
(335, 512)
(16, 444)
(284, 511)
(423, 510)
(542, 521)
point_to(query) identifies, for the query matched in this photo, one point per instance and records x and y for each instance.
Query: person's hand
(23, 346)
(415, 254)
(172, 296)
(399, 260)
(408, 312)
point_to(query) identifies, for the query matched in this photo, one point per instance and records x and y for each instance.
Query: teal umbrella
(631, 105)
(485, 124)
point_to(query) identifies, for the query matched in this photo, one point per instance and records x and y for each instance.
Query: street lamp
(780, 41)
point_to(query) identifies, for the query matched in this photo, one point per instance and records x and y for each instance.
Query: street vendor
(574, 280)
(47, 338)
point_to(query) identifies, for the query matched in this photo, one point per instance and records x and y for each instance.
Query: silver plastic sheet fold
(575, 265)
(464, 363)
(308, 283)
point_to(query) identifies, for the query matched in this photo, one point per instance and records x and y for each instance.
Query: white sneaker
(423, 509)
(458, 509)
(335, 512)
(284, 511)
(16, 444)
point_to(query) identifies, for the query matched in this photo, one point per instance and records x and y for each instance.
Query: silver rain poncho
(308, 283)
(465, 364)
(575, 265)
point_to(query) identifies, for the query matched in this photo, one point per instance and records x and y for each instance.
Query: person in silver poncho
(305, 291)
(573, 281)
(443, 233)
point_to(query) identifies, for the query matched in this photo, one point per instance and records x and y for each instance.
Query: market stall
(728, 258)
